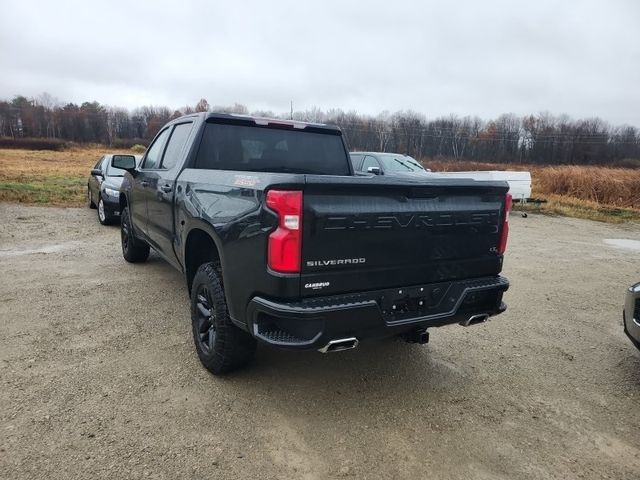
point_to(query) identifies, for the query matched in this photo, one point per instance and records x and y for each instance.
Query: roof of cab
(262, 121)
(378, 153)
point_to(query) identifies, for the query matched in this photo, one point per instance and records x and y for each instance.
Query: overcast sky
(464, 57)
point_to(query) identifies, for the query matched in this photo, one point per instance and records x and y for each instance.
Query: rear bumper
(312, 323)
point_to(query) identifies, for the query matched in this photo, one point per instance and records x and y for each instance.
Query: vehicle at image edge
(382, 163)
(103, 187)
(631, 314)
(280, 242)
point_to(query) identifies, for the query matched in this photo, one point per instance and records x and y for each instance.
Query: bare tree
(537, 139)
(202, 106)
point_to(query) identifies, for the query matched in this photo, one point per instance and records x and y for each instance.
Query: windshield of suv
(271, 149)
(400, 163)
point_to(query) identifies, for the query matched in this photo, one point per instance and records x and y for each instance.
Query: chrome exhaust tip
(475, 319)
(339, 345)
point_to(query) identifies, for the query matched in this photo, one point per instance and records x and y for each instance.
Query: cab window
(154, 154)
(176, 145)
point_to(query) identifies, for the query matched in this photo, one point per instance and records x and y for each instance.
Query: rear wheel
(134, 250)
(222, 347)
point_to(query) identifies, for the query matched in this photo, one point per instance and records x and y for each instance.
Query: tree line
(538, 139)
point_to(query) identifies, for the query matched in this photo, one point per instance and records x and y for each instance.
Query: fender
(124, 200)
(191, 224)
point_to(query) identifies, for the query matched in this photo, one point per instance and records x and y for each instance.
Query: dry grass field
(47, 177)
(597, 193)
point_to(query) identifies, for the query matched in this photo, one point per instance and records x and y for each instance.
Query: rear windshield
(265, 149)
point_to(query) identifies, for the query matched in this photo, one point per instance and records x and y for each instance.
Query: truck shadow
(379, 368)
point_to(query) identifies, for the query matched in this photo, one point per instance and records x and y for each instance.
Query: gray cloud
(469, 58)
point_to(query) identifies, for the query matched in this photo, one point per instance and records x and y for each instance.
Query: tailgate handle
(421, 193)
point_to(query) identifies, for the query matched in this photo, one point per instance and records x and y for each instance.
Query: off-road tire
(134, 250)
(221, 346)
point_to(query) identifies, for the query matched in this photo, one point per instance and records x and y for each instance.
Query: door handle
(144, 183)
(166, 188)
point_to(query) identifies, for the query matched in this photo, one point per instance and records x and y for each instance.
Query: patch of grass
(581, 191)
(49, 190)
(576, 208)
(46, 177)
(138, 148)
(614, 187)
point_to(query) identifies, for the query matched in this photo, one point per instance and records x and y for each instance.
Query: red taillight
(285, 243)
(504, 233)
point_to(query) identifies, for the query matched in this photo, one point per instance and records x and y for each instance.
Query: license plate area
(411, 302)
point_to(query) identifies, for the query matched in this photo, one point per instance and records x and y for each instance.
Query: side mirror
(96, 172)
(124, 162)
(374, 170)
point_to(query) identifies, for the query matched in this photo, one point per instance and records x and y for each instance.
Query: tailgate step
(285, 332)
(281, 336)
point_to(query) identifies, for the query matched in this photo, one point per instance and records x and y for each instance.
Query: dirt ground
(100, 378)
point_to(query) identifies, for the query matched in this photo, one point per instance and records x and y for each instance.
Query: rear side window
(265, 149)
(154, 154)
(176, 145)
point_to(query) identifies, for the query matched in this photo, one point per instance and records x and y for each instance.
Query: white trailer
(519, 182)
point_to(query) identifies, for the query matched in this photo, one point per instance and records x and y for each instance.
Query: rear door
(373, 233)
(162, 190)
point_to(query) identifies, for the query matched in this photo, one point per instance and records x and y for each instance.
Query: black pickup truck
(281, 242)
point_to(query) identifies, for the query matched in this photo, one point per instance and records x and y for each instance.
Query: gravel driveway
(100, 378)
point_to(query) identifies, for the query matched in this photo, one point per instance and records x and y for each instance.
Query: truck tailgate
(371, 233)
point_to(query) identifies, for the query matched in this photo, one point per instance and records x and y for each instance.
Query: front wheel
(103, 217)
(222, 347)
(134, 250)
